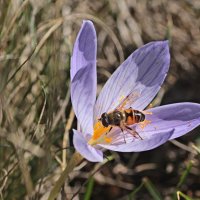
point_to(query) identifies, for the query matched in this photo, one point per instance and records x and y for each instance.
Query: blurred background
(36, 117)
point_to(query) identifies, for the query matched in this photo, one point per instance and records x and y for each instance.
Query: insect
(122, 117)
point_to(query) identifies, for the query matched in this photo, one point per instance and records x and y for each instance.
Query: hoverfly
(123, 117)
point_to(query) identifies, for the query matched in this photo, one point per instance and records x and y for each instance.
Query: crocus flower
(140, 77)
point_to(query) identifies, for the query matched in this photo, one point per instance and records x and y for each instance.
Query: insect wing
(128, 101)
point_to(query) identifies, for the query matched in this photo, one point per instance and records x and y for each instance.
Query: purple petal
(141, 74)
(87, 151)
(182, 117)
(83, 98)
(149, 141)
(85, 48)
(83, 76)
(167, 122)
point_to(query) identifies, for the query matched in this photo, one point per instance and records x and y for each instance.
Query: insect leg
(123, 133)
(128, 128)
(109, 130)
(132, 132)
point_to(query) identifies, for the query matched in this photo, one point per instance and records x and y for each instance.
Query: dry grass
(36, 39)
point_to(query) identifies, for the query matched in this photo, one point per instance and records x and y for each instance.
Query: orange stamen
(146, 112)
(108, 140)
(99, 131)
(144, 123)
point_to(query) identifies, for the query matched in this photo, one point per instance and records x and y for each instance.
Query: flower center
(99, 135)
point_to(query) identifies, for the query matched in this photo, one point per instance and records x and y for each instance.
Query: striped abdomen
(133, 116)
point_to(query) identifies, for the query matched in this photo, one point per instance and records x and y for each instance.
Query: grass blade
(89, 189)
(184, 175)
(152, 189)
(180, 194)
(76, 159)
(135, 191)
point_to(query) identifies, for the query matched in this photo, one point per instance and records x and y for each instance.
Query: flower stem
(75, 160)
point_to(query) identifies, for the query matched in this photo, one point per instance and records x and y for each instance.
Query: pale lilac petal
(87, 151)
(182, 117)
(167, 122)
(83, 76)
(83, 98)
(149, 141)
(142, 74)
(85, 48)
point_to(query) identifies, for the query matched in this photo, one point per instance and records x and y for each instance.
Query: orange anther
(147, 112)
(107, 139)
(144, 123)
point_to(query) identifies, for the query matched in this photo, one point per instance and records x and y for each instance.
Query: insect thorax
(115, 118)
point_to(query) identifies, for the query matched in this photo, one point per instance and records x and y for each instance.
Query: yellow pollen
(99, 131)
(121, 98)
(108, 140)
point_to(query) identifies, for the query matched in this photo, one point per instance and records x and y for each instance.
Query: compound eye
(104, 119)
(103, 115)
